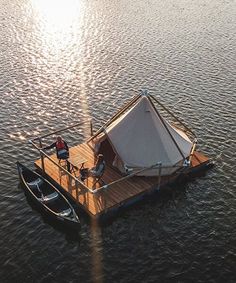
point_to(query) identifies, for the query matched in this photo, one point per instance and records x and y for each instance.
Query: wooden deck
(118, 194)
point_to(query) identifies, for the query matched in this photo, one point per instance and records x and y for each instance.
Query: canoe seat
(51, 197)
(65, 212)
(35, 183)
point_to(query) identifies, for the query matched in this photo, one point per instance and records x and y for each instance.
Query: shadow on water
(161, 199)
(167, 196)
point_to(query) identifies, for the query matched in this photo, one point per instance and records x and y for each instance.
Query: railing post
(91, 128)
(69, 183)
(76, 189)
(41, 155)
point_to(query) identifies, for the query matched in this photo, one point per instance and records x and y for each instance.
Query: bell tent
(138, 137)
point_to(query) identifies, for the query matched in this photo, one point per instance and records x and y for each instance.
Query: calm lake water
(64, 61)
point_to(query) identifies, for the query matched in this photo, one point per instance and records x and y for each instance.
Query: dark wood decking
(116, 195)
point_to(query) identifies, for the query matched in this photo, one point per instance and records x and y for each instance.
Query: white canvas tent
(140, 138)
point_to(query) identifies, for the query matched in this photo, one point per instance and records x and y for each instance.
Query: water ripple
(77, 59)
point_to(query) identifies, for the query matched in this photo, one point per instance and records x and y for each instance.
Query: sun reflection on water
(59, 23)
(57, 16)
(97, 256)
(58, 28)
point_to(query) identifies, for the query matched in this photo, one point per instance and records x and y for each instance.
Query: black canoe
(48, 198)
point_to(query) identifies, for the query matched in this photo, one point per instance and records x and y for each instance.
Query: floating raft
(122, 193)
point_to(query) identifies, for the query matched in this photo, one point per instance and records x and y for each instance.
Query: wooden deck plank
(114, 196)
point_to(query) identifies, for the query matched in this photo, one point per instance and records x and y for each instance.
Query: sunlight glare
(58, 21)
(58, 14)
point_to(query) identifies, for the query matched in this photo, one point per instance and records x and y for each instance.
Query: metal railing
(37, 143)
(43, 155)
(81, 185)
(157, 166)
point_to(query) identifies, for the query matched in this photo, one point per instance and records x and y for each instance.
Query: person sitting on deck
(62, 150)
(96, 171)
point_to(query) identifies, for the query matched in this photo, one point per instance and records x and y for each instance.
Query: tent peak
(144, 92)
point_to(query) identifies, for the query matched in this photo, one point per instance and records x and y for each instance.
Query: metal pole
(177, 119)
(91, 128)
(76, 188)
(125, 177)
(60, 130)
(168, 131)
(192, 152)
(41, 155)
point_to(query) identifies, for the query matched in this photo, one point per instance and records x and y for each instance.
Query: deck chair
(98, 178)
(85, 173)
